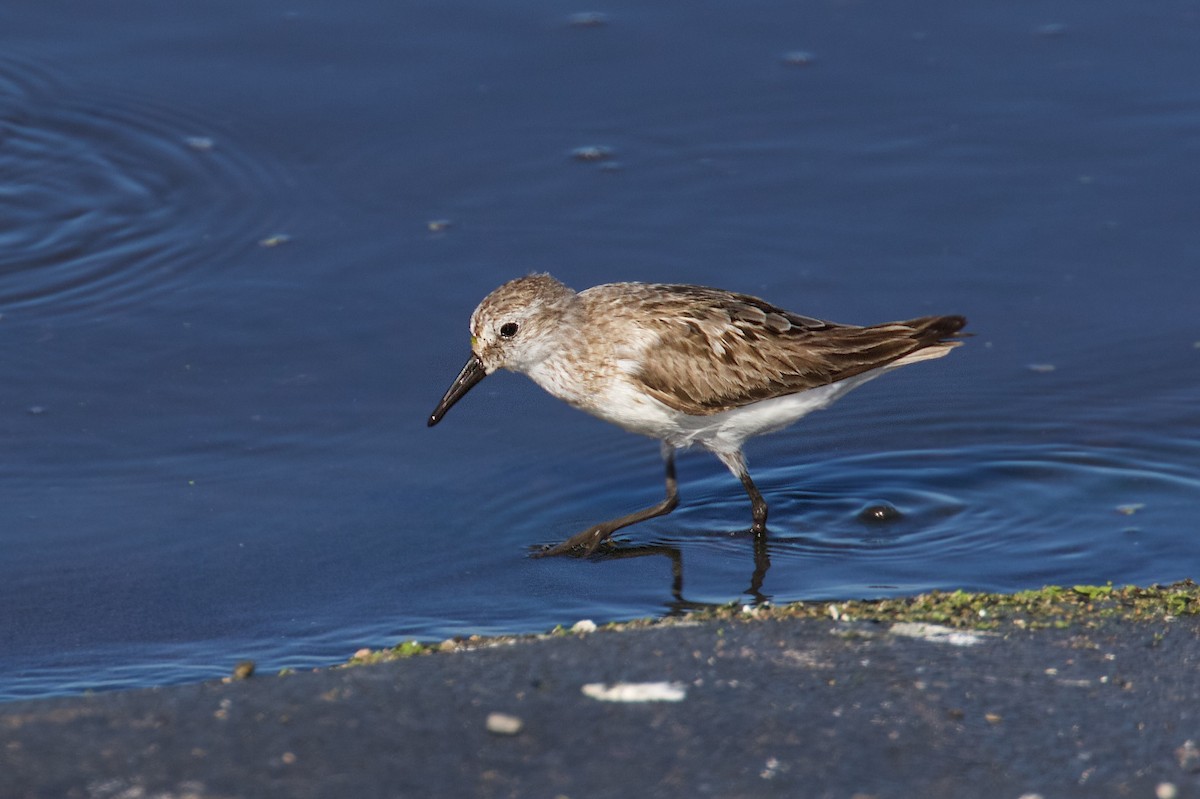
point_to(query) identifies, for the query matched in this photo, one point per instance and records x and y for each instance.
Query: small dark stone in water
(879, 512)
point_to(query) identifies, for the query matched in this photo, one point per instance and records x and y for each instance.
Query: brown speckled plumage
(716, 350)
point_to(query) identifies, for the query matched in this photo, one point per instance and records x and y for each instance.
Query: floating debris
(636, 691)
(275, 240)
(201, 144)
(592, 153)
(504, 724)
(35, 410)
(1041, 368)
(1050, 30)
(1131, 508)
(799, 58)
(438, 225)
(243, 670)
(588, 19)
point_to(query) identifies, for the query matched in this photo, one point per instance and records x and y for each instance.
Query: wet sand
(736, 704)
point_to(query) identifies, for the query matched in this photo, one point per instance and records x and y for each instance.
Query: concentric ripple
(995, 517)
(105, 199)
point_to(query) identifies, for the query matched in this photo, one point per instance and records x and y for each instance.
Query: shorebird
(682, 364)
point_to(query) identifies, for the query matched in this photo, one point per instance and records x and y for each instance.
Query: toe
(581, 545)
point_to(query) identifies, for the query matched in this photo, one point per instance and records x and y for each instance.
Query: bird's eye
(508, 330)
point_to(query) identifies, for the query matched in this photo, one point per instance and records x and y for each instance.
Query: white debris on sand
(504, 724)
(636, 691)
(938, 634)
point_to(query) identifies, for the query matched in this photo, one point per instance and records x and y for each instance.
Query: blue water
(226, 314)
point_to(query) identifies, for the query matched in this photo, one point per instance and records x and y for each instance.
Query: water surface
(226, 314)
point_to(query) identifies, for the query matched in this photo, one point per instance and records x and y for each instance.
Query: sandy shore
(1060, 694)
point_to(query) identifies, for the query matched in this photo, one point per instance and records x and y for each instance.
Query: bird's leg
(736, 463)
(589, 539)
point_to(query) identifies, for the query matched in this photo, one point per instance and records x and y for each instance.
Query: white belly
(623, 405)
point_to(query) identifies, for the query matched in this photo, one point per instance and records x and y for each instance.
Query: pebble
(1188, 756)
(504, 724)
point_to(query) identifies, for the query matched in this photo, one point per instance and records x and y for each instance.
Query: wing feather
(710, 351)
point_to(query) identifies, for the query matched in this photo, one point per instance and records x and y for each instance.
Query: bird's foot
(582, 545)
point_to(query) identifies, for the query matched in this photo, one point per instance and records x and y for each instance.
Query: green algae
(1052, 607)
(1048, 607)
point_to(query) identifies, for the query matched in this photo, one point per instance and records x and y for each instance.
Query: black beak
(471, 374)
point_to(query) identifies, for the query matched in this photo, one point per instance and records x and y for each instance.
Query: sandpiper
(682, 364)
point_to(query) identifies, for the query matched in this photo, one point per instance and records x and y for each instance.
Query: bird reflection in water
(679, 605)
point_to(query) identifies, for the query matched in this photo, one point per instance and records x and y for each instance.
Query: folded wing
(715, 351)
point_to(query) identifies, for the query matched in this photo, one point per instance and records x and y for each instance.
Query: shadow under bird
(682, 364)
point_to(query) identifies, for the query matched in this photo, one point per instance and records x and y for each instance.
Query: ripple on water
(997, 517)
(105, 199)
(1000, 517)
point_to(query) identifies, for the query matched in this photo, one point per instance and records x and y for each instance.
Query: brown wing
(715, 351)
